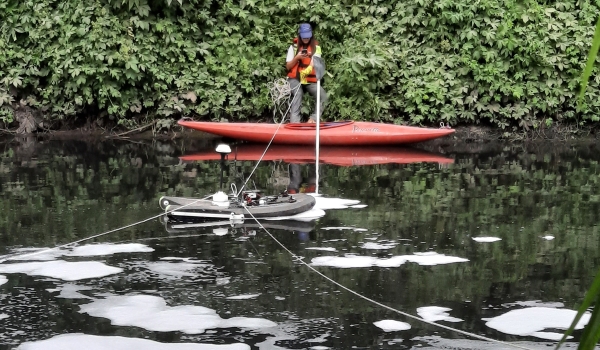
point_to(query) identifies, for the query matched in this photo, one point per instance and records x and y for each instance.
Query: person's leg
(296, 103)
(295, 178)
(312, 89)
(311, 180)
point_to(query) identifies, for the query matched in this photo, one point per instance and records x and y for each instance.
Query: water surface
(501, 242)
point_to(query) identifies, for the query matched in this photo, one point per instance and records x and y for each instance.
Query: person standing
(304, 67)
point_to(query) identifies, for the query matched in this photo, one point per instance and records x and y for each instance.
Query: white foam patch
(170, 267)
(378, 246)
(71, 291)
(344, 228)
(391, 325)
(549, 335)
(532, 321)
(3, 280)
(350, 261)
(326, 203)
(326, 249)
(64, 270)
(531, 303)
(285, 332)
(109, 249)
(358, 206)
(37, 254)
(79, 341)
(486, 239)
(436, 313)
(153, 314)
(243, 296)
(221, 281)
(548, 238)
(319, 339)
(3, 316)
(48, 254)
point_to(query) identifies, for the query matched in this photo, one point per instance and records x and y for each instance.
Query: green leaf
(17, 81)
(592, 295)
(591, 333)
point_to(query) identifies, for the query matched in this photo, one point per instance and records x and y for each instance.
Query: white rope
(100, 234)
(280, 89)
(297, 258)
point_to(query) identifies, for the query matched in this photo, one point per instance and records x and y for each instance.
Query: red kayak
(336, 155)
(347, 133)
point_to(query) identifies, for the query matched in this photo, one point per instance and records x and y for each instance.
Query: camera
(304, 51)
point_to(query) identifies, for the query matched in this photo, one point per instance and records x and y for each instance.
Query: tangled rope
(281, 91)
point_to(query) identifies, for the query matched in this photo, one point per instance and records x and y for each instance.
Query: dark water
(56, 192)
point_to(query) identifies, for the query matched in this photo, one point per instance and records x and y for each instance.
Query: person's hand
(301, 55)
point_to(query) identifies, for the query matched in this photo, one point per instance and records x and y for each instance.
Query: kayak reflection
(335, 155)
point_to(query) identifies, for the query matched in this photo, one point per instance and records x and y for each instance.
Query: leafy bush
(410, 61)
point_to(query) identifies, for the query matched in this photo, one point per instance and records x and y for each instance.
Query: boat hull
(331, 133)
(335, 155)
(198, 208)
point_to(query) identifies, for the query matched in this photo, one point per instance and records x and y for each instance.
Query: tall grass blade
(591, 296)
(590, 62)
(591, 333)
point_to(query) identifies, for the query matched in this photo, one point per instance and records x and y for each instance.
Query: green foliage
(6, 113)
(412, 61)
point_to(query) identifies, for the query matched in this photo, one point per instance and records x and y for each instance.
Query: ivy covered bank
(421, 62)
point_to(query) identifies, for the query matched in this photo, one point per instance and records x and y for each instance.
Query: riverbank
(466, 140)
(467, 134)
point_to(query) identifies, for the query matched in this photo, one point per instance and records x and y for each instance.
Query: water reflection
(493, 210)
(247, 228)
(334, 155)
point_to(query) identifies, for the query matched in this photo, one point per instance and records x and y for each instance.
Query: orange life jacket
(294, 73)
